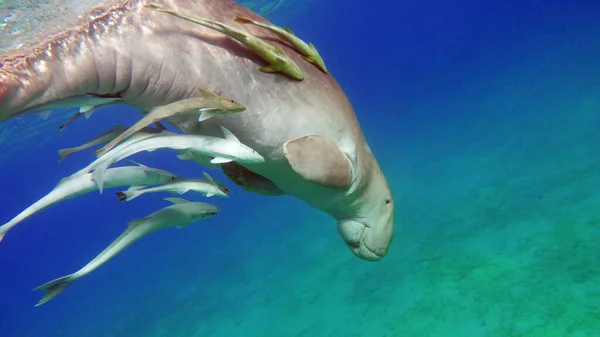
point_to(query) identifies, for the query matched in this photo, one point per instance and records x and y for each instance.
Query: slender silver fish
(106, 137)
(223, 150)
(133, 139)
(208, 187)
(74, 186)
(88, 110)
(181, 214)
(84, 102)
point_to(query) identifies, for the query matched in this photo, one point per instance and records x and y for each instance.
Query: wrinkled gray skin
(151, 59)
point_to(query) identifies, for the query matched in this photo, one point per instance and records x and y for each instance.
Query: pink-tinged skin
(151, 58)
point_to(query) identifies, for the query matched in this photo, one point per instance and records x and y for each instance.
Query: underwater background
(485, 118)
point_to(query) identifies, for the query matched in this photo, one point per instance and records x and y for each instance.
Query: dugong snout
(369, 243)
(367, 223)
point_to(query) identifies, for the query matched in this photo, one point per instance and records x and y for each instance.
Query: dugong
(306, 130)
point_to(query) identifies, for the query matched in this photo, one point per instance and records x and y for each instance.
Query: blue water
(484, 118)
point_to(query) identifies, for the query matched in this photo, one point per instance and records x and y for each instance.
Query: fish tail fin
(128, 195)
(87, 110)
(98, 177)
(64, 153)
(243, 19)
(45, 114)
(53, 288)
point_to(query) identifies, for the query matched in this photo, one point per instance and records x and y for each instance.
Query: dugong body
(306, 130)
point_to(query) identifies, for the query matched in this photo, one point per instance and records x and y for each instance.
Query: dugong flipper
(147, 59)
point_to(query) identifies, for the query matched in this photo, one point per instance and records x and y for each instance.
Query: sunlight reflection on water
(22, 20)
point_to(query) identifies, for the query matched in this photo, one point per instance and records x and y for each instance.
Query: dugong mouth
(354, 234)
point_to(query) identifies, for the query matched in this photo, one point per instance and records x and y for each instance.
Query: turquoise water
(485, 121)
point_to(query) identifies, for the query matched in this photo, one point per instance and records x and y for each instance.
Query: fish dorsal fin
(229, 136)
(85, 108)
(208, 177)
(89, 113)
(206, 93)
(288, 30)
(177, 200)
(138, 164)
(187, 155)
(45, 114)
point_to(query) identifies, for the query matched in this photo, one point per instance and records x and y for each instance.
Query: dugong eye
(173, 177)
(388, 201)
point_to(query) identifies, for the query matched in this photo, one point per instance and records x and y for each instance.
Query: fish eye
(173, 177)
(388, 201)
(213, 213)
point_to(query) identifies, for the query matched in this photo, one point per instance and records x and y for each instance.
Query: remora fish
(222, 150)
(307, 49)
(74, 186)
(181, 214)
(136, 137)
(206, 106)
(106, 137)
(274, 55)
(84, 102)
(208, 187)
(88, 110)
